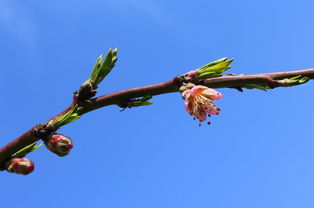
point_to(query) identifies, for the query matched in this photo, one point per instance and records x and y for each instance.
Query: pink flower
(20, 166)
(198, 102)
(59, 144)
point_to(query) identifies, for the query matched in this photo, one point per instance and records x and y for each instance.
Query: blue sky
(257, 153)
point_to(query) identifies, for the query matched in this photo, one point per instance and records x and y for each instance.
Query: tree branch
(271, 80)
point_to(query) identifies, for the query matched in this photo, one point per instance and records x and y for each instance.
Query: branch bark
(116, 98)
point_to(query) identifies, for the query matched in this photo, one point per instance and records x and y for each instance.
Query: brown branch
(28, 137)
(116, 98)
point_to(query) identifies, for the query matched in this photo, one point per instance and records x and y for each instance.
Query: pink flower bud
(59, 144)
(20, 166)
(192, 74)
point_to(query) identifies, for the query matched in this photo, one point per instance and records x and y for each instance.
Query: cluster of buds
(56, 143)
(59, 144)
(198, 100)
(22, 166)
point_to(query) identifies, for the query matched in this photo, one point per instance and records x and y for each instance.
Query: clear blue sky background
(258, 153)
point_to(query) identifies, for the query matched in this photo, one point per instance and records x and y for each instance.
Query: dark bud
(87, 90)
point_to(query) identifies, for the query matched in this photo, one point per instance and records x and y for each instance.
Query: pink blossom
(198, 102)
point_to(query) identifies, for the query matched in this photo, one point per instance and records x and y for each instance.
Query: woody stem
(116, 98)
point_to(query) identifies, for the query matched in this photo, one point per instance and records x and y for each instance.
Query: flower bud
(192, 74)
(59, 144)
(87, 90)
(20, 166)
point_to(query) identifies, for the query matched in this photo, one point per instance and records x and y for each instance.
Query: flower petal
(212, 94)
(188, 107)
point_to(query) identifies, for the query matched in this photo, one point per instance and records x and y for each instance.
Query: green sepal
(26, 150)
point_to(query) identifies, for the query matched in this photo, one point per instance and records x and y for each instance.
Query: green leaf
(70, 116)
(293, 81)
(207, 75)
(96, 68)
(214, 69)
(143, 104)
(26, 150)
(140, 101)
(218, 68)
(103, 67)
(214, 63)
(256, 86)
(303, 80)
(115, 52)
(145, 98)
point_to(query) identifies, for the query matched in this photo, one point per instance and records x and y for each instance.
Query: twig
(116, 98)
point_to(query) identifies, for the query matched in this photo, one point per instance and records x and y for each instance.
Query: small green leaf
(140, 102)
(207, 75)
(26, 150)
(214, 63)
(293, 81)
(256, 86)
(304, 80)
(96, 68)
(145, 98)
(143, 104)
(295, 78)
(70, 116)
(115, 52)
(218, 68)
(214, 69)
(103, 67)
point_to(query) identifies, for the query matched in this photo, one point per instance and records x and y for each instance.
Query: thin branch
(226, 81)
(116, 98)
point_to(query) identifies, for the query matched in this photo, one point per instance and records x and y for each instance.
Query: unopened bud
(87, 90)
(59, 144)
(20, 166)
(192, 74)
